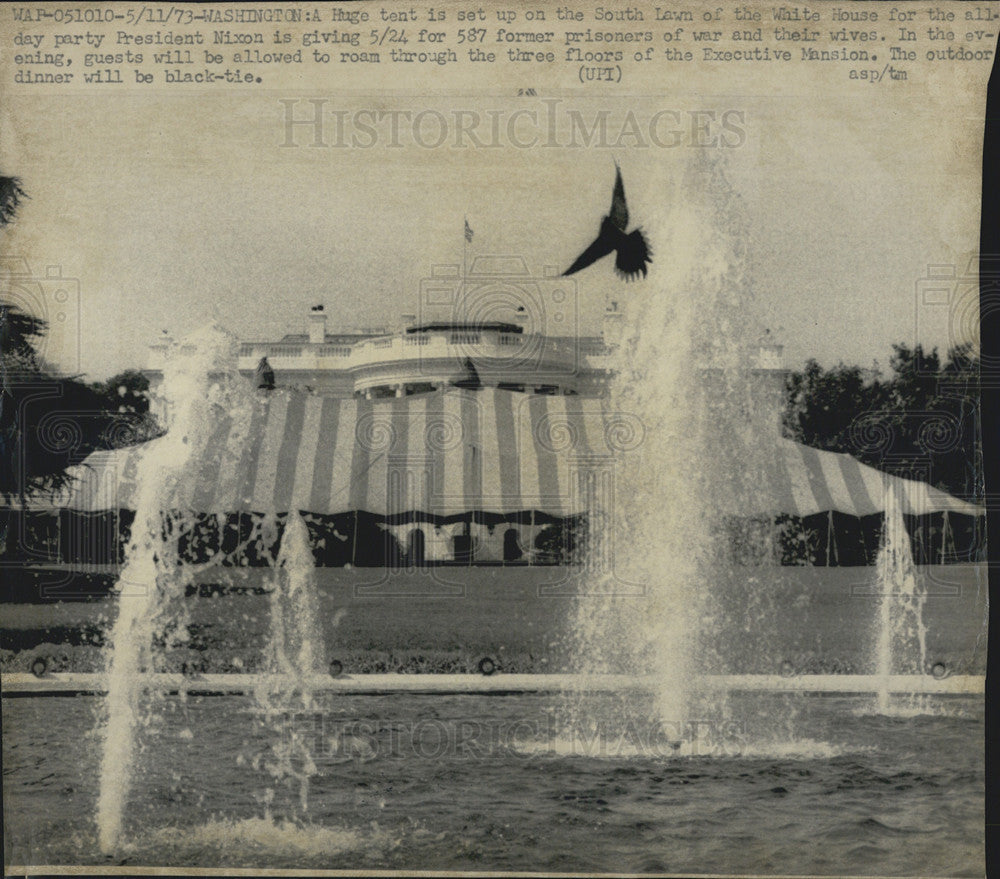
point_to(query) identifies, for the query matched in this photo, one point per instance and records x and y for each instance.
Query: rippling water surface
(803, 784)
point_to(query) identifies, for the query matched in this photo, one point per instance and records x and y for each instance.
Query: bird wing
(619, 210)
(633, 254)
(602, 245)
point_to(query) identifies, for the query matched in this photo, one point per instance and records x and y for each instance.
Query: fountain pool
(474, 783)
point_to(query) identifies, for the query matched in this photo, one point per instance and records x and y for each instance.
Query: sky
(165, 212)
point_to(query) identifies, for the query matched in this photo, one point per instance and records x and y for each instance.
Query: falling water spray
(151, 577)
(295, 656)
(296, 642)
(901, 635)
(682, 370)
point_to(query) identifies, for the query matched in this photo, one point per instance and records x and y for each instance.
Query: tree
(50, 422)
(939, 420)
(922, 423)
(127, 392)
(16, 333)
(11, 196)
(822, 405)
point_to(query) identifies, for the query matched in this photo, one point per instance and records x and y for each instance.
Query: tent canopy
(805, 481)
(456, 451)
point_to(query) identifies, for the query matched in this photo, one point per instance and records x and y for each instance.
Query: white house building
(492, 359)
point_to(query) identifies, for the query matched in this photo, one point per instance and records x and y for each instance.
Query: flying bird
(631, 250)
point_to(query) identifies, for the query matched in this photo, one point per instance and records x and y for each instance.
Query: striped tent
(805, 481)
(458, 451)
(441, 453)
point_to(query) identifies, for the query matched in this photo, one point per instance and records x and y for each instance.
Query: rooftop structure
(494, 325)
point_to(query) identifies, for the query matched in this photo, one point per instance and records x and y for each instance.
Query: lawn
(446, 619)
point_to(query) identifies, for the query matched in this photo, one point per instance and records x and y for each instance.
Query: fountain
(295, 652)
(684, 370)
(296, 643)
(901, 636)
(152, 583)
(202, 386)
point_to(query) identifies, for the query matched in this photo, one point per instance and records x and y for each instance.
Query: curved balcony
(410, 360)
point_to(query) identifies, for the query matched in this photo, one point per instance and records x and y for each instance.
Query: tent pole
(833, 538)
(829, 535)
(945, 528)
(354, 542)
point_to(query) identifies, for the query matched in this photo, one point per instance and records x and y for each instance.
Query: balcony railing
(423, 345)
(270, 349)
(334, 351)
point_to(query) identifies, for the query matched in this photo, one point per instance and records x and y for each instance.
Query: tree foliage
(49, 422)
(127, 392)
(11, 196)
(922, 422)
